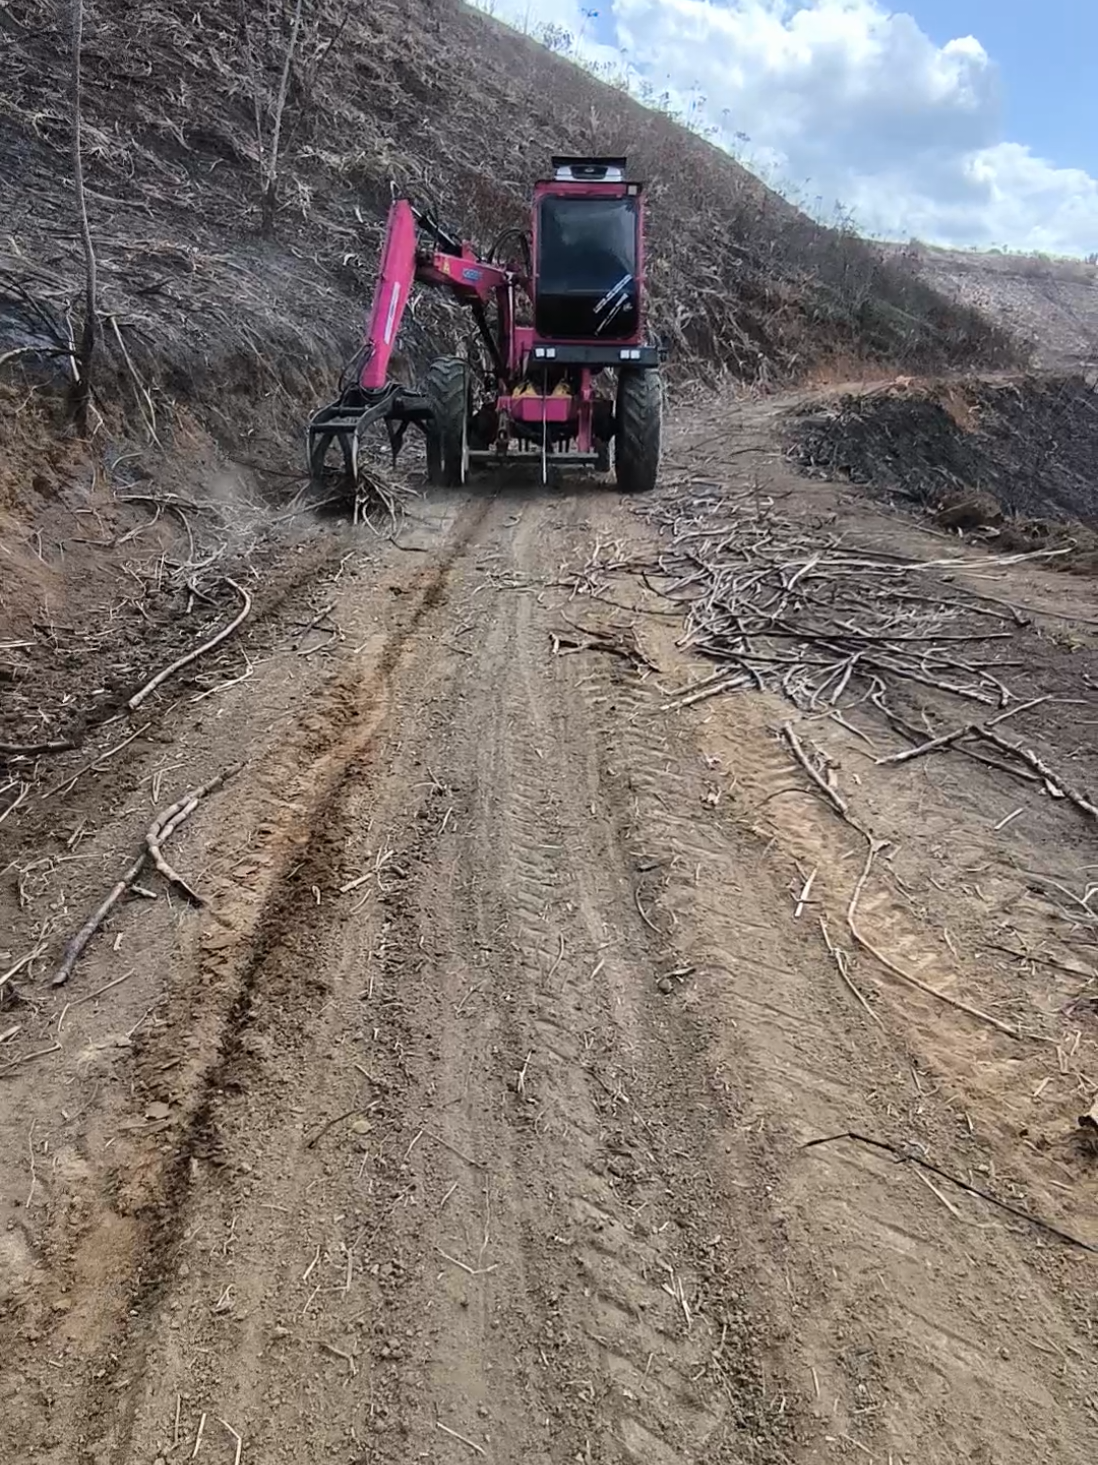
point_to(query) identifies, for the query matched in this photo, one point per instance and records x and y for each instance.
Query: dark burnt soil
(1013, 460)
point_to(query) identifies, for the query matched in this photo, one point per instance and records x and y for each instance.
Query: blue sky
(968, 122)
(1047, 55)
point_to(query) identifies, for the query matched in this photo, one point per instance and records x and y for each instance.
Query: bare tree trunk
(270, 193)
(257, 92)
(80, 392)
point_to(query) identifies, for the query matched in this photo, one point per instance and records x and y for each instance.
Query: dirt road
(467, 1119)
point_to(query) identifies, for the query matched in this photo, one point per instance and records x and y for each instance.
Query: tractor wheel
(637, 430)
(446, 387)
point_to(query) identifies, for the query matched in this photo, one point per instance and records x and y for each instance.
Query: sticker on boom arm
(394, 301)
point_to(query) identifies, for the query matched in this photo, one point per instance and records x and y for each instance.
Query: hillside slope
(179, 105)
(1050, 303)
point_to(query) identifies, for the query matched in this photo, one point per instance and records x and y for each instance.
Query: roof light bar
(589, 170)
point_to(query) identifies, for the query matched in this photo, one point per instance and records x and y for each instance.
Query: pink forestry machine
(553, 310)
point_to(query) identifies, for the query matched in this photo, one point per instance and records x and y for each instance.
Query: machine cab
(588, 253)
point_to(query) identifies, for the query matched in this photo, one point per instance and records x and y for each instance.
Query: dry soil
(467, 1118)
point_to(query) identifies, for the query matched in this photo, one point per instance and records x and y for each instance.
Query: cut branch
(907, 1157)
(162, 676)
(80, 393)
(270, 192)
(32, 750)
(834, 798)
(76, 946)
(1050, 776)
(896, 971)
(164, 825)
(967, 730)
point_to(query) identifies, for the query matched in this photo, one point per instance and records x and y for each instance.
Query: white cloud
(846, 101)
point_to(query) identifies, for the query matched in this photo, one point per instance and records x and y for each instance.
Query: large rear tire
(446, 387)
(637, 429)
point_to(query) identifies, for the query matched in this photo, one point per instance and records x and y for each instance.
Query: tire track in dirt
(886, 1288)
(627, 1349)
(537, 1277)
(249, 982)
(688, 1104)
(795, 1063)
(398, 941)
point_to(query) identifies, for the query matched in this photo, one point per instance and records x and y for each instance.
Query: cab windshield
(586, 267)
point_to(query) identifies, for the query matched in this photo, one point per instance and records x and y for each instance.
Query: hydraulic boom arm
(453, 264)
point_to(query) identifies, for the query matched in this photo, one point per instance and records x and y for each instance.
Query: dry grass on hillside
(428, 96)
(1047, 302)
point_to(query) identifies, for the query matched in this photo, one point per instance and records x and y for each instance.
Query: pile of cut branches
(784, 607)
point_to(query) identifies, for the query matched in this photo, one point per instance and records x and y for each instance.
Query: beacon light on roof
(589, 170)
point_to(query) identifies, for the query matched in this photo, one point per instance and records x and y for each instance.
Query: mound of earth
(1014, 458)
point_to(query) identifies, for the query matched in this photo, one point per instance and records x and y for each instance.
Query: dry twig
(840, 960)
(460, 1437)
(80, 393)
(25, 960)
(871, 853)
(162, 826)
(33, 750)
(945, 740)
(29, 1058)
(239, 1442)
(1039, 766)
(908, 1157)
(162, 676)
(832, 796)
